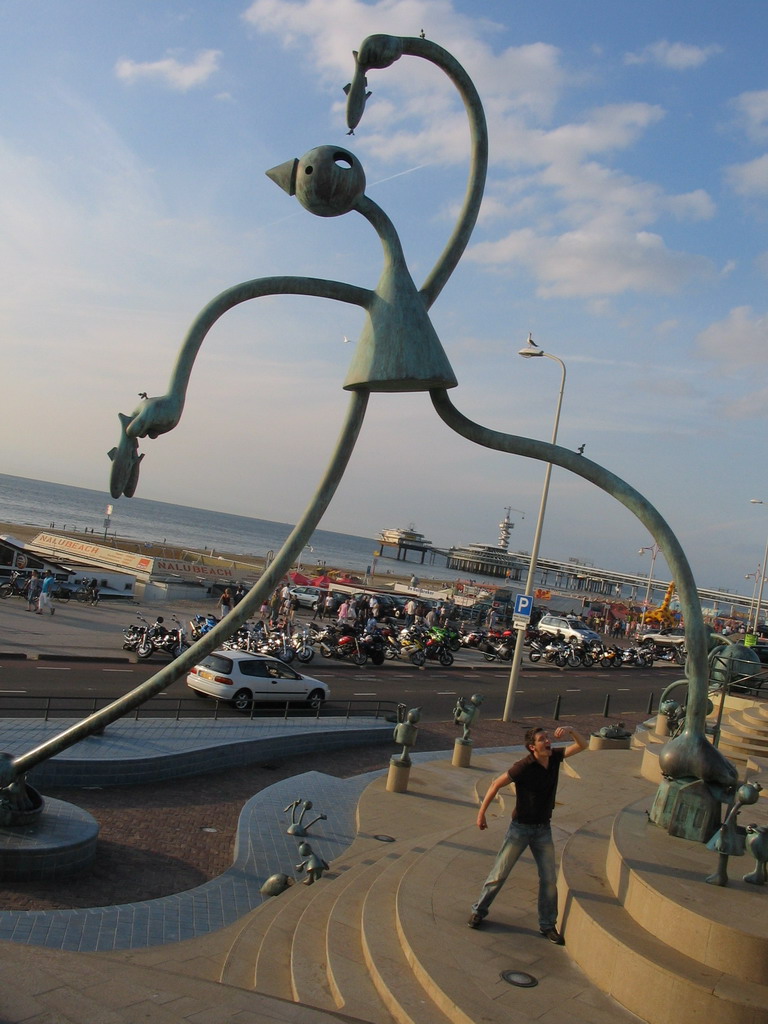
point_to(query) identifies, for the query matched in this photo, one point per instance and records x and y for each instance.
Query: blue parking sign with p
(523, 605)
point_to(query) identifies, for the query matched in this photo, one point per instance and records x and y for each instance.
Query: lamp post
(533, 351)
(654, 549)
(757, 501)
(752, 576)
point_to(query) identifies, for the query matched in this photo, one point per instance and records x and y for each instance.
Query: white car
(308, 596)
(245, 679)
(571, 627)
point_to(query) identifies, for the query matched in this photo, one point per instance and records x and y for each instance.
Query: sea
(62, 507)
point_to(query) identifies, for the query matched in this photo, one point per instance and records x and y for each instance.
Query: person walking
(33, 591)
(46, 593)
(535, 777)
(225, 603)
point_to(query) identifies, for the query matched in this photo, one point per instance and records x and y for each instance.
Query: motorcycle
(639, 656)
(301, 642)
(472, 639)
(407, 646)
(155, 636)
(498, 648)
(438, 650)
(375, 644)
(341, 642)
(199, 625)
(135, 638)
(446, 635)
(612, 657)
(550, 649)
(277, 644)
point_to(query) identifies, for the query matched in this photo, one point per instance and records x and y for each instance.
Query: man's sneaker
(554, 936)
(475, 920)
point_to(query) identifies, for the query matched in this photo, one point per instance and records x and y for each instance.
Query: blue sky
(624, 225)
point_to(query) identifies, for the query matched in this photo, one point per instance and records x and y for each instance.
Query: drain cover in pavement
(385, 839)
(519, 978)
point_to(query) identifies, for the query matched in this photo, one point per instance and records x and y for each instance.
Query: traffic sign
(523, 606)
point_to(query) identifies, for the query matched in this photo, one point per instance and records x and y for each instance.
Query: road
(435, 689)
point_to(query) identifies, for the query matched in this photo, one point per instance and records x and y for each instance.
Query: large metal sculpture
(398, 350)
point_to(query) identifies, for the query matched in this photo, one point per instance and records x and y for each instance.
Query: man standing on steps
(535, 777)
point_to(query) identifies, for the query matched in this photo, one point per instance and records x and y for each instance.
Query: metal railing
(177, 708)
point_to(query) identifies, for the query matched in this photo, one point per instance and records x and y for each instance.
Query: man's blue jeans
(518, 838)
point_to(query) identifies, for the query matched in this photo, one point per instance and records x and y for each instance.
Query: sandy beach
(247, 565)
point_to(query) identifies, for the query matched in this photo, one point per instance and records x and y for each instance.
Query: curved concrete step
(390, 971)
(260, 957)
(748, 721)
(743, 738)
(647, 976)
(327, 965)
(349, 975)
(660, 881)
(758, 712)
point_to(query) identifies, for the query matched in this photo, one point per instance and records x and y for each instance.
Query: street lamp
(752, 576)
(529, 352)
(757, 501)
(654, 549)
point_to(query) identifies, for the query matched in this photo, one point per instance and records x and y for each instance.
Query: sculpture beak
(284, 175)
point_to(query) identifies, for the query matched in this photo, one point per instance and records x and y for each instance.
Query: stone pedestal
(397, 777)
(462, 753)
(662, 725)
(597, 742)
(60, 842)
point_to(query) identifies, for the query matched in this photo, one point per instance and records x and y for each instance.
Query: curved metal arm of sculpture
(286, 557)
(155, 416)
(690, 754)
(381, 51)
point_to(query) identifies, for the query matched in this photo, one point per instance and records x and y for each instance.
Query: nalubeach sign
(145, 565)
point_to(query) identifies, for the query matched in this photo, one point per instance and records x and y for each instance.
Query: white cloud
(752, 113)
(746, 407)
(559, 181)
(595, 260)
(749, 179)
(171, 71)
(674, 56)
(741, 339)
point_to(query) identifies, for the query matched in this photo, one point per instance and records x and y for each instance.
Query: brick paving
(155, 839)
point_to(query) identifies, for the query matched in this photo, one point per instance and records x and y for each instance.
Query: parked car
(307, 596)
(243, 679)
(571, 627)
(670, 636)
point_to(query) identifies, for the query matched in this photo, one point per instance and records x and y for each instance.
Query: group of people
(40, 592)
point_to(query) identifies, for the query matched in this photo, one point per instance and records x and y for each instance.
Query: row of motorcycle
(147, 638)
(415, 644)
(565, 652)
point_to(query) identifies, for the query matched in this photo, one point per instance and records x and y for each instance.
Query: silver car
(571, 627)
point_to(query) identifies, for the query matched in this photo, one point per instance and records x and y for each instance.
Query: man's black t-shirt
(535, 787)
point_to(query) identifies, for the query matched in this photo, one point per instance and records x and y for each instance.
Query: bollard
(607, 705)
(556, 715)
(649, 709)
